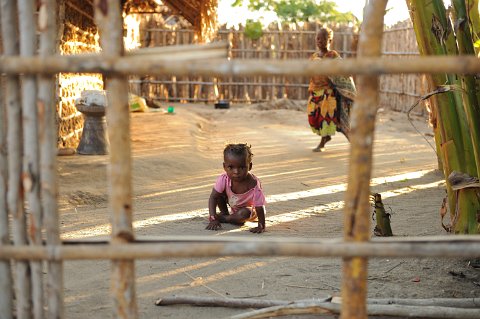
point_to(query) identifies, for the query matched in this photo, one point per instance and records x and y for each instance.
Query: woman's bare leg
(323, 141)
(346, 132)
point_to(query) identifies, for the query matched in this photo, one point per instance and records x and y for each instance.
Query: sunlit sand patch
(177, 190)
(314, 192)
(177, 271)
(321, 209)
(100, 230)
(200, 281)
(409, 189)
(185, 189)
(105, 229)
(334, 206)
(342, 187)
(288, 173)
(76, 298)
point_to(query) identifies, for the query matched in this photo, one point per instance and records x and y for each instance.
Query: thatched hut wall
(77, 35)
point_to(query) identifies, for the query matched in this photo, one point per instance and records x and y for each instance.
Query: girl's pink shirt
(252, 198)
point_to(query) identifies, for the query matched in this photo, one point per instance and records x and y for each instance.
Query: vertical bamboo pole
(14, 147)
(47, 23)
(109, 20)
(5, 276)
(5, 271)
(31, 175)
(357, 215)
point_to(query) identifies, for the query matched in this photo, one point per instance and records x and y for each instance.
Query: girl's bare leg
(240, 217)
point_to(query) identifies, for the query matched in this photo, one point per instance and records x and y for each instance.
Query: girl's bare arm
(261, 220)
(214, 223)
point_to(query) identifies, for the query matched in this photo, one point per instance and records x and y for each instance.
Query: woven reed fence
(400, 91)
(287, 42)
(28, 165)
(294, 41)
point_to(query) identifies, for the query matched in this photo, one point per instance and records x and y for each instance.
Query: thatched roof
(190, 10)
(136, 6)
(202, 14)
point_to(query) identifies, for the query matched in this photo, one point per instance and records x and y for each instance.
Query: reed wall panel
(284, 42)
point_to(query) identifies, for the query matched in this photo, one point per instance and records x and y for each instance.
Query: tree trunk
(458, 141)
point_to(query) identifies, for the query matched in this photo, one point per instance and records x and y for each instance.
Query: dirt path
(176, 159)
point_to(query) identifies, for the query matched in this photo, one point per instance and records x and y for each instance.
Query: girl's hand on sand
(214, 225)
(257, 230)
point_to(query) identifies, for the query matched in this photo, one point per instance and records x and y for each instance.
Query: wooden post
(31, 174)
(357, 206)
(5, 271)
(47, 23)
(109, 20)
(5, 275)
(14, 147)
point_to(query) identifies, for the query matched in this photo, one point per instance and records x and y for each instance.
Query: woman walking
(330, 97)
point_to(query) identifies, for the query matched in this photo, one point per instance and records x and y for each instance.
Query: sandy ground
(176, 159)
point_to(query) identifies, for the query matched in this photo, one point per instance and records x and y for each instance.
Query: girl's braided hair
(242, 149)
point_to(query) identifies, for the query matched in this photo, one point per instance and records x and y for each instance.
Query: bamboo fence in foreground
(356, 224)
(141, 65)
(197, 246)
(39, 174)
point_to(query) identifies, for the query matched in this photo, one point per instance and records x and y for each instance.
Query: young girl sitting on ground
(240, 189)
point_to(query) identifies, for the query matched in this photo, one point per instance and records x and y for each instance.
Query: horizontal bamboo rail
(198, 246)
(140, 65)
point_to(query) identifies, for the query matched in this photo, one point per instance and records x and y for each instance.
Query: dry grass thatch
(202, 14)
